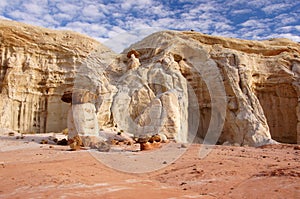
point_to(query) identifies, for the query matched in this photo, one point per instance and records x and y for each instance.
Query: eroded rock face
(260, 82)
(37, 65)
(264, 76)
(184, 85)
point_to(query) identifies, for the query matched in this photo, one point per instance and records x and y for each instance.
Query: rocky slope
(185, 85)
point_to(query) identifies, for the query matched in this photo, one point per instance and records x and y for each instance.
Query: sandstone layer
(37, 66)
(185, 85)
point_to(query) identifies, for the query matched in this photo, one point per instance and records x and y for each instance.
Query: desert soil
(32, 170)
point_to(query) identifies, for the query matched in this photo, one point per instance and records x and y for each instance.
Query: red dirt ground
(32, 170)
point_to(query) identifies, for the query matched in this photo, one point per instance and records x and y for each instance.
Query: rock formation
(185, 85)
(37, 66)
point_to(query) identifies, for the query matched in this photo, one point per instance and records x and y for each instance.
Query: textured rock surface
(265, 78)
(36, 66)
(180, 84)
(260, 79)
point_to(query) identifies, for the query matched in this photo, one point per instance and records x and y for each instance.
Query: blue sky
(118, 23)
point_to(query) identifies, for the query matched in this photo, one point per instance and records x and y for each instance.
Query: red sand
(50, 171)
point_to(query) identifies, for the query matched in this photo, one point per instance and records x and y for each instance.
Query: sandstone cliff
(251, 87)
(186, 85)
(266, 77)
(36, 66)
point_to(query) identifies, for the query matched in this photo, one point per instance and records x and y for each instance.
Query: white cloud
(68, 8)
(258, 3)
(3, 4)
(125, 38)
(242, 11)
(273, 8)
(92, 11)
(285, 18)
(34, 8)
(125, 20)
(134, 4)
(257, 24)
(86, 28)
(62, 16)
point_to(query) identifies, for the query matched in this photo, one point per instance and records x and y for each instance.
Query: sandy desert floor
(32, 170)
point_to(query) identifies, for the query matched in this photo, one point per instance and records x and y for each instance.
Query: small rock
(143, 139)
(75, 143)
(226, 143)
(63, 142)
(236, 144)
(11, 134)
(114, 142)
(183, 146)
(297, 147)
(149, 146)
(155, 138)
(101, 146)
(163, 138)
(44, 142)
(165, 162)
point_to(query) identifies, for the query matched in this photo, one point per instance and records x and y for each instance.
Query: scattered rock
(163, 138)
(65, 131)
(95, 142)
(63, 142)
(143, 139)
(75, 143)
(149, 142)
(11, 134)
(114, 142)
(297, 147)
(183, 145)
(101, 146)
(149, 146)
(44, 141)
(155, 138)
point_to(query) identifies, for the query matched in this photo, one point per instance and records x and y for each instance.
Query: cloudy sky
(117, 23)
